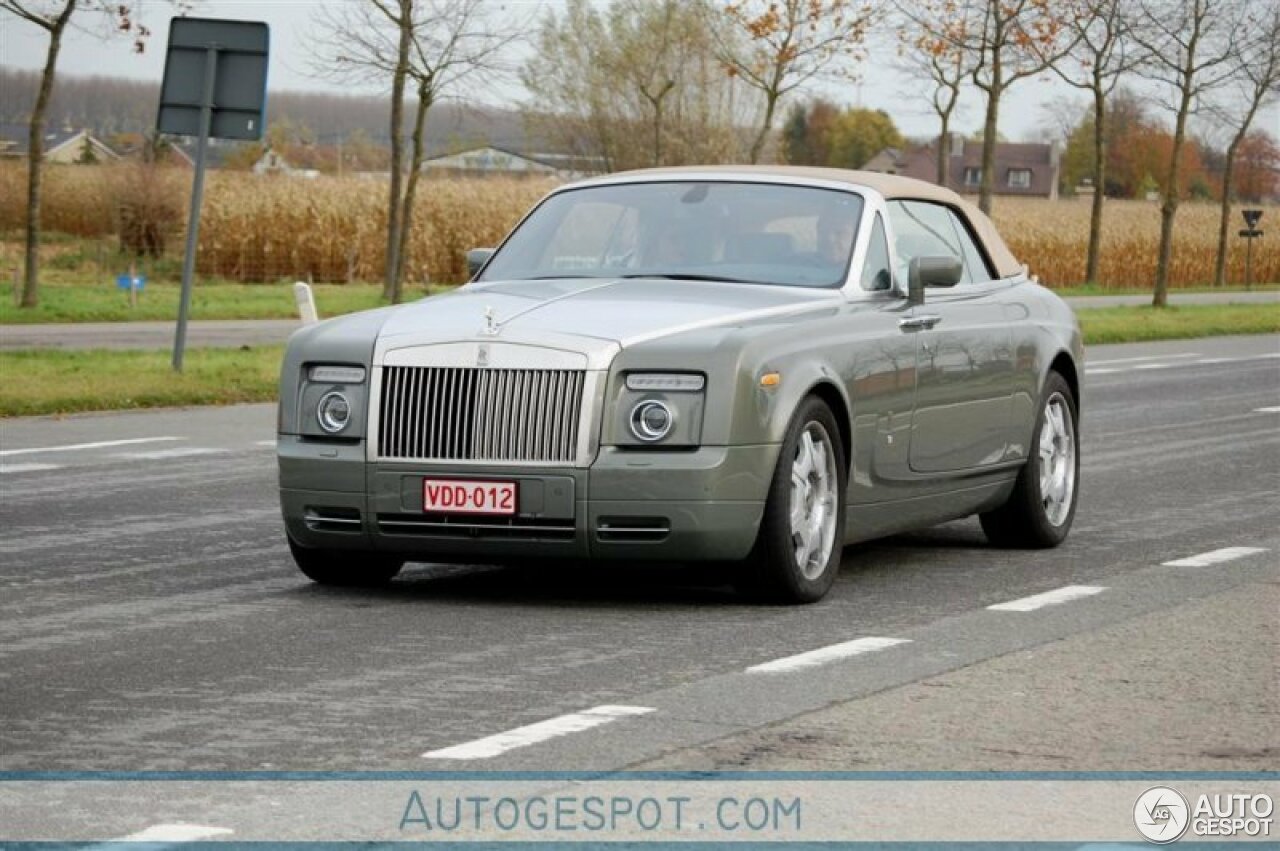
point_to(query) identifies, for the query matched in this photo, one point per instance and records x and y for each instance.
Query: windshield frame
(871, 202)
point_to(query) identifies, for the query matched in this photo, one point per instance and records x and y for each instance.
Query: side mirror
(940, 271)
(476, 258)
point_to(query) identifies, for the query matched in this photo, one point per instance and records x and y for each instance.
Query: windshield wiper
(687, 276)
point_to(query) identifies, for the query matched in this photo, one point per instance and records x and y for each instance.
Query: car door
(964, 359)
(882, 380)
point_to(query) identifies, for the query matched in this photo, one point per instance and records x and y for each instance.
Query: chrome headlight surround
(333, 412)
(326, 391)
(659, 410)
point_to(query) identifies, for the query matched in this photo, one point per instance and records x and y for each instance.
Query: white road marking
(75, 447)
(1214, 557)
(1144, 357)
(175, 833)
(271, 443)
(532, 734)
(823, 655)
(27, 468)
(162, 454)
(1275, 410)
(1049, 598)
(1092, 370)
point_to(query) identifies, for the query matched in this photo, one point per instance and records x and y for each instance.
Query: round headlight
(333, 412)
(651, 420)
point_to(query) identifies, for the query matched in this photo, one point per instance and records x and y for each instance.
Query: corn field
(270, 228)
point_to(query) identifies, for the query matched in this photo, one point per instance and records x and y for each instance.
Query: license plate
(458, 496)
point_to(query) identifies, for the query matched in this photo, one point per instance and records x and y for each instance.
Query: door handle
(917, 323)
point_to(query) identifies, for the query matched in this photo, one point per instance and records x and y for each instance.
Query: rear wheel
(1042, 506)
(797, 553)
(346, 568)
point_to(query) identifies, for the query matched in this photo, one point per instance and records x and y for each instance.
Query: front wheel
(797, 554)
(1042, 506)
(345, 568)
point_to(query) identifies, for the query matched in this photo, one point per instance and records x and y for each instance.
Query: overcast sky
(1026, 111)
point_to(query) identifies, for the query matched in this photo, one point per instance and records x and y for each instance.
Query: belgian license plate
(459, 496)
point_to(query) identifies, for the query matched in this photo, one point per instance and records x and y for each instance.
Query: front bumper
(704, 504)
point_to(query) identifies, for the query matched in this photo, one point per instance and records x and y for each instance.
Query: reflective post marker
(197, 195)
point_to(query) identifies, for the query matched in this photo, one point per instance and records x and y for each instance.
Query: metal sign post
(1251, 232)
(215, 83)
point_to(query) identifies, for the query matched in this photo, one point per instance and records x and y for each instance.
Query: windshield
(751, 233)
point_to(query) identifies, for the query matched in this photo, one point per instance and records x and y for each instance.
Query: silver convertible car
(747, 365)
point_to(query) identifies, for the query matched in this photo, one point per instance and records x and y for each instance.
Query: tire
(345, 568)
(1039, 512)
(787, 566)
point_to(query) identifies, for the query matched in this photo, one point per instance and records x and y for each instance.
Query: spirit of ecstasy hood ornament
(490, 326)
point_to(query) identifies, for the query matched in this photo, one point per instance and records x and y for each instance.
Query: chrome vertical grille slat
(480, 414)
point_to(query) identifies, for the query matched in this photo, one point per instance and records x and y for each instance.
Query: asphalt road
(150, 617)
(260, 332)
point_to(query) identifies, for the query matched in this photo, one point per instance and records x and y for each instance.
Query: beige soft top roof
(891, 186)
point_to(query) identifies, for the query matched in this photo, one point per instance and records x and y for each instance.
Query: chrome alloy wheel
(1057, 460)
(814, 500)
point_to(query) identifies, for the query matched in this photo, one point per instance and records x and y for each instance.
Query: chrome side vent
(330, 519)
(475, 414)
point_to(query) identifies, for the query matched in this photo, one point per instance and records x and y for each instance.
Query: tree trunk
(987, 182)
(392, 272)
(1169, 203)
(944, 149)
(411, 190)
(1091, 273)
(757, 146)
(35, 161)
(1224, 215)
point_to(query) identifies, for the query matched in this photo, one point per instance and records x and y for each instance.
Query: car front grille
(478, 414)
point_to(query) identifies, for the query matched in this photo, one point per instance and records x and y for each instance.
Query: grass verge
(61, 382)
(1141, 324)
(105, 303)
(58, 381)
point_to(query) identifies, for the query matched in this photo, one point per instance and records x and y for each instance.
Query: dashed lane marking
(542, 731)
(76, 447)
(1049, 598)
(1275, 410)
(823, 655)
(1214, 557)
(1143, 358)
(162, 454)
(1093, 369)
(27, 468)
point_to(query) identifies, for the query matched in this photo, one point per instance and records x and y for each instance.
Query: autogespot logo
(1161, 814)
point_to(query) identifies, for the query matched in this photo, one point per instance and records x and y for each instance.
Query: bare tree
(1256, 82)
(431, 45)
(942, 68)
(54, 16)
(1102, 53)
(453, 41)
(638, 83)
(1006, 41)
(788, 43)
(1189, 46)
(369, 40)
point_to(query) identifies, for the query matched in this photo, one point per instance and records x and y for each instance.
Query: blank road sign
(240, 85)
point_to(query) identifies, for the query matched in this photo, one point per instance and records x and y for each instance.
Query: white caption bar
(532, 734)
(1048, 598)
(823, 655)
(1214, 557)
